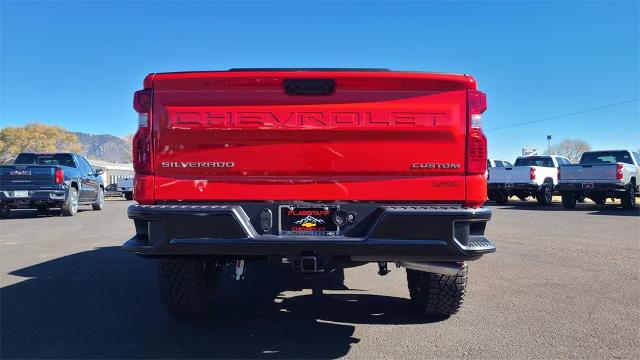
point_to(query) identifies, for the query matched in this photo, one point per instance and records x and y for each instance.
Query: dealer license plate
(20, 193)
(313, 221)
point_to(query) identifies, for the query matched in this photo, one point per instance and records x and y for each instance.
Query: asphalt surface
(562, 284)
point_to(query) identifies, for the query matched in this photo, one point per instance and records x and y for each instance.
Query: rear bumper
(382, 233)
(587, 187)
(509, 187)
(33, 198)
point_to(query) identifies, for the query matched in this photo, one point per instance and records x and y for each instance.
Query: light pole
(549, 144)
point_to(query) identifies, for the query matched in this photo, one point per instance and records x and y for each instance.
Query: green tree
(37, 138)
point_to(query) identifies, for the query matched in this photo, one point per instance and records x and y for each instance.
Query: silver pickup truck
(600, 175)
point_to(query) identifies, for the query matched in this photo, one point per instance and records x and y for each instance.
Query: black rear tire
(99, 204)
(70, 206)
(629, 197)
(545, 196)
(436, 294)
(569, 200)
(501, 198)
(128, 195)
(4, 212)
(188, 286)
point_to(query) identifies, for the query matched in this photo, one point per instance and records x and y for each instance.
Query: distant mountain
(105, 147)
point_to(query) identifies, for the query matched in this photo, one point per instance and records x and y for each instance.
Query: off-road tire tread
(436, 294)
(184, 288)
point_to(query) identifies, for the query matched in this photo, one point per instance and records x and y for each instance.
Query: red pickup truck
(319, 168)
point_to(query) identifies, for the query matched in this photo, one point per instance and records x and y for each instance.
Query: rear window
(42, 159)
(535, 161)
(606, 157)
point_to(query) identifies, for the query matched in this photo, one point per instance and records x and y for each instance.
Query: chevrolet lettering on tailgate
(314, 119)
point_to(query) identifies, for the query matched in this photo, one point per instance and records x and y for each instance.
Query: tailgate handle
(309, 86)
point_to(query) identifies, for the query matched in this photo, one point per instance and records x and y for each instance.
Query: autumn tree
(571, 149)
(37, 138)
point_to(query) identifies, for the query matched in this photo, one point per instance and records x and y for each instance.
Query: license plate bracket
(294, 220)
(587, 186)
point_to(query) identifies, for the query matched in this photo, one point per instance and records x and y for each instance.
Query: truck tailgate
(516, 174)
(587, 172)
(234, 136)
(26, 177)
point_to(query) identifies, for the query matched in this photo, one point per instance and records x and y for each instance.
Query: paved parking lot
(562, 284)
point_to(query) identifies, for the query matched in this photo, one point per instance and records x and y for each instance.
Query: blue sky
(77, 64)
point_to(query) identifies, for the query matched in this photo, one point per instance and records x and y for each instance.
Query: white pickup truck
(535, 176)
(125, 185)
(600, 175)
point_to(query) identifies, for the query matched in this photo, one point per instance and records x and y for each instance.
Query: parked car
(320, 169)
(50, 180)
(491, 163)
(125, 186)
(600, 175)
(535, 176)
(112, 190)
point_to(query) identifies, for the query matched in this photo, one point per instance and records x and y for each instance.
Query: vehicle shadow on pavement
(105, 304)
(33, 214)
(24, 214)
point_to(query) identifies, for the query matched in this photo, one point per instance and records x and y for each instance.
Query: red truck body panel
(380, 136)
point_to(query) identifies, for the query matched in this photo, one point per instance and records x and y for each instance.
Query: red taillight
(532, 174)
(142, 101)
(59, 176)
(142, 151)
(619, 172)
(477, 104)
(558, 174)
(476, 141)
(142, 139)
